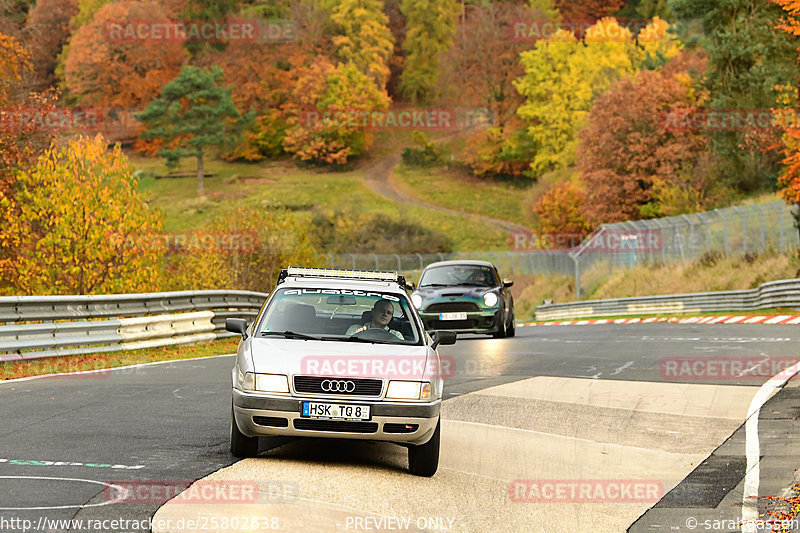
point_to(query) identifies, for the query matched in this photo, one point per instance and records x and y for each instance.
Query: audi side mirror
(443, 337)
(237, 325)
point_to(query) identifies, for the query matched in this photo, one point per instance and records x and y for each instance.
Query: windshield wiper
(434, 285)
(290, 335)
(360, 339)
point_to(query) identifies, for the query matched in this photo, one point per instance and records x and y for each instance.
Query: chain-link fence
(759, 228)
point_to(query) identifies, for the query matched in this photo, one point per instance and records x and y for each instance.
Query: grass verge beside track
(78, 363)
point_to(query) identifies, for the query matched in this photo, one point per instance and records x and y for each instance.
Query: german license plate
(335, 411)
(452, 316)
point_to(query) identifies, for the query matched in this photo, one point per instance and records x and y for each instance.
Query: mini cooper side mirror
(443, 337)
(237, 325)
(507, 282)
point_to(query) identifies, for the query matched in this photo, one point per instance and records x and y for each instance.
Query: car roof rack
(340, 273)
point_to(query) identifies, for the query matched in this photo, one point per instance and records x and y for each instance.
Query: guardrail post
(705, 221)
(763, 229)
(691, 235)
(663, 240)
(744, 229)
(725, 228)
(576, 259)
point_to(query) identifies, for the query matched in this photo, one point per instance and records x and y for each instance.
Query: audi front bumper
(260, 415)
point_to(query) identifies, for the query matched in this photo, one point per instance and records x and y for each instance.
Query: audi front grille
(340, 426)
(338, 386)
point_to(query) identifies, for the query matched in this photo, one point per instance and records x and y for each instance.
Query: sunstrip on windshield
(339, 273)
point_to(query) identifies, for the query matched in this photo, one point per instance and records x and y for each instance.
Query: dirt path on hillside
(379, 178)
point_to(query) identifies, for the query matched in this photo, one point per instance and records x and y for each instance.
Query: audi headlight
(265, 382)
(416, 299)
(408, 390)
(490, 299)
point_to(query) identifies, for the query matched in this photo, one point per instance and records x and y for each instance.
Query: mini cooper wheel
(501, 330)
(241, 444)
(423, 459)
(510, 331)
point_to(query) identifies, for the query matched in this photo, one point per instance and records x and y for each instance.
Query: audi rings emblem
(335, 385)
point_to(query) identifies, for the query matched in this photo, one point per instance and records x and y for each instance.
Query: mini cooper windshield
(458, 275)
(341, 315)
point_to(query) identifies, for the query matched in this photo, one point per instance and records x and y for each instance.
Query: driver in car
(479, 277)
(382, 312)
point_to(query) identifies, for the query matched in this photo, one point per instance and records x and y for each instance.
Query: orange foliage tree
(560, 209)
(587, 10)
(323, 100)
(15, 63)
(48, 31)
(76, 213)
(789, 178)
(629, 144)
(103, 70)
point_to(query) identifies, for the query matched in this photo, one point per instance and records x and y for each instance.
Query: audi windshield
(340, 314)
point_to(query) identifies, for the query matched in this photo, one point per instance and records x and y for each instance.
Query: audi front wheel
(423, 459)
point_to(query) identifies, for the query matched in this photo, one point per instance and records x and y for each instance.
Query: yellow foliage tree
(266, 241)
(563, 76)
(15, 62)
(78, 212)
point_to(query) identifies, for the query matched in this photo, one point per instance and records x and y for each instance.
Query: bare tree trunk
(200, 174)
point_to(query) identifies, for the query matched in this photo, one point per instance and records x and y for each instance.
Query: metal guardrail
(45, 326)
(782, 293)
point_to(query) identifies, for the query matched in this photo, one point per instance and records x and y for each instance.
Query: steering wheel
(375, 334)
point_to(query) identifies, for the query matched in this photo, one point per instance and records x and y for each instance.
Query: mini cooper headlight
(416, 299)
(490, 299)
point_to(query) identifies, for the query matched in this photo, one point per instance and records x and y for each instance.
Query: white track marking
(752, 447)
(623, 367)
(122, 491)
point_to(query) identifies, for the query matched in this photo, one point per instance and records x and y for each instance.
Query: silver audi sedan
(339, 354)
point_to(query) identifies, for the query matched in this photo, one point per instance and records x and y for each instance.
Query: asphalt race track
(562, 428)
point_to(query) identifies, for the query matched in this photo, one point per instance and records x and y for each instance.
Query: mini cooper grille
(335, 425)
(271, 421)
(453, 325)
(321, 385)
(449, 307)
